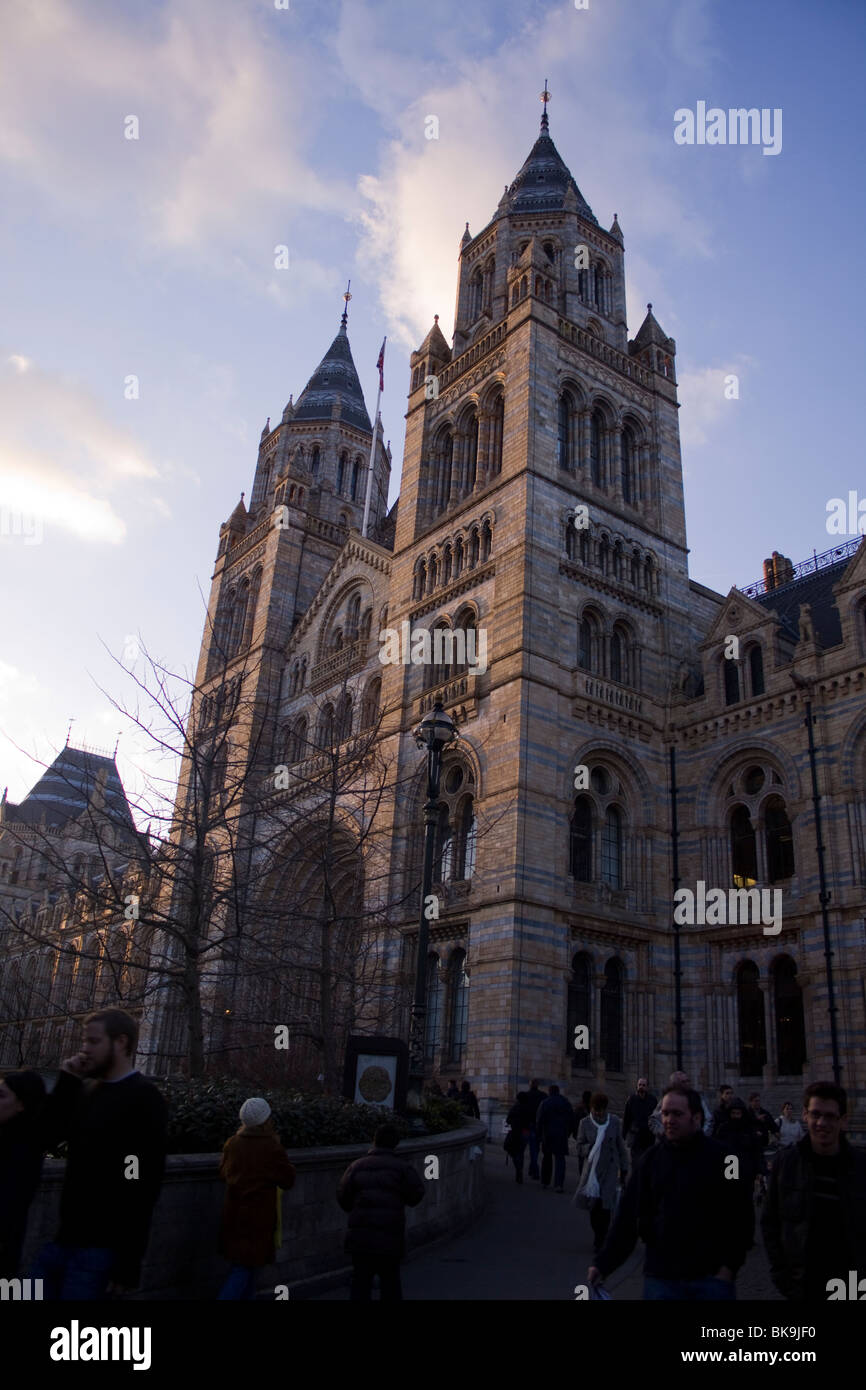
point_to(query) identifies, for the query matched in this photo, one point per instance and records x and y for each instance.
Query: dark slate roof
(334, 378)
(66, 788)
(815, 589)
(542, 183)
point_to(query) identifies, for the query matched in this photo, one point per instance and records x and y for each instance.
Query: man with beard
(114, 1121)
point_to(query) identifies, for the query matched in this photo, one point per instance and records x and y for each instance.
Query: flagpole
(373, 447)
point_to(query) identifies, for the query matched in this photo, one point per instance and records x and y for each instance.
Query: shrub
(203, 1114)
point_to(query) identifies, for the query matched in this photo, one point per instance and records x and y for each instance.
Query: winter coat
(788, 1213)
(468, 1102)
(104, 1123)
(254, 1164)
(743, 1139)
(554, 1122)
(533, 1100)
(612, 1160)
(678, 1201)
(765, 1126)
(636, 1117)
(21, 1154)
(375, 1190)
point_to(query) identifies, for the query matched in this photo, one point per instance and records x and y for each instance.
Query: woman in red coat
(254, 1165)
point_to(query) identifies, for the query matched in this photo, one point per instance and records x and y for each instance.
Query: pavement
(532, 1244)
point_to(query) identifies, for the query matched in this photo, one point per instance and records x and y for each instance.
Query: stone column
(617, 465)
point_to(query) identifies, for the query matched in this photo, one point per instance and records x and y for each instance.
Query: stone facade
(542, 503)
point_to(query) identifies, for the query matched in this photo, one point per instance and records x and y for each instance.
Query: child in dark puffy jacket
(375, 1190)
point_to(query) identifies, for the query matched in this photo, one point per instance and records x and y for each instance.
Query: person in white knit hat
(254, 1165)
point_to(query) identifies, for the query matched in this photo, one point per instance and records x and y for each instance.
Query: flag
(381, 365)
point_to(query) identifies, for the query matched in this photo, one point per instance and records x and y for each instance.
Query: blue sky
(305, 127)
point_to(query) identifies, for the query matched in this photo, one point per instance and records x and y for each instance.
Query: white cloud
(223, 95)
(704, 405)
(424, 190)
(60, 455)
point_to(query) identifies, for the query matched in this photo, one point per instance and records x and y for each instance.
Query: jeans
(73, 1273)
(533, 1153)
(547, 1163)
(240, 1286)
(690, 1290)
(365, 1267)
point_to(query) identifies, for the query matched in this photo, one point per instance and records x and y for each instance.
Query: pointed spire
(344, 321)
(545, 97)
(335, 379)
(267, 428)
(466, 238)
(616, 229)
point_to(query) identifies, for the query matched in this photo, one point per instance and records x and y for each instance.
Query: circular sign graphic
(374, 1084)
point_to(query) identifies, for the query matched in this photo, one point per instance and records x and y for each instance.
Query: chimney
(778, 571)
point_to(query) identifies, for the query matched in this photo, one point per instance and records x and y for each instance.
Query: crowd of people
(680, 1175)
(113, 1122)
(686, 1177)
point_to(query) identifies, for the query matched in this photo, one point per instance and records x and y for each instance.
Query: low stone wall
(182, 1260)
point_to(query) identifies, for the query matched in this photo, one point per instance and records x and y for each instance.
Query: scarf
(591, 1188)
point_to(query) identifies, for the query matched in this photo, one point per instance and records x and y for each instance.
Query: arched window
(496, 433)
(446, 564)
(325, 731)
(779, 839)
(628, 466)
(315, 460)
(341, 470)
(756, 669)
(619, 663)
(370, 707)
(435, 1001)
(459, 1021)
(444, 850)
(474, 547)
(446, 462)
(252, 603)
(486, 541)
(366, 624)
(420, 579)
(475, 287)
(570, 538)
(579, 1012)
(612, 1015)
(587, 645)
(750, 1019)
(344, 718)
(458, 557)
(356, 478)
(466, 648)
(580, 845)
(596, 435)
(611, 847)
(790, 1024)
(297, 741)
(472, 453)
(732, 680)
(466, 839)
(744, 849)
(635, 569)
(564, 448)
(442, 655)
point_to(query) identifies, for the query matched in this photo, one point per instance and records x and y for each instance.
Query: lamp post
(435, 733)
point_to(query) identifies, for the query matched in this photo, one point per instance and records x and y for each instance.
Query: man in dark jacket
(636, 1132)
(374, 1190)
(554, 1122)
(695, 1222)
(115, 1124)
(534, 1097)
(468, 1101)
(814, 1220)
(22, 1102)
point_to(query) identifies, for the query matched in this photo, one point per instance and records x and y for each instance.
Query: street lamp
(435, 733)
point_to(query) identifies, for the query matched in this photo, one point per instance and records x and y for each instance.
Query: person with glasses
(814, 1220)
